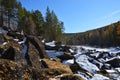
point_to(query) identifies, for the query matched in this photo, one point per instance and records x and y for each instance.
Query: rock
(1, 50)
(10, 70)
(47, 47)
(76, 68)
(114, 62)
(70, 77)
(2, 39)
(104, 55)
(66, 56)
(8, 38)
(9, 53)
(39, 46)
(13, 51)
(33, 56)
(65, 49)
(57, 65)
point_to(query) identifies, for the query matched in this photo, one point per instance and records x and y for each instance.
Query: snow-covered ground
(110, 50)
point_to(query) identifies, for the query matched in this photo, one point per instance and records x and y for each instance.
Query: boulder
(66, 56)
(13, 51)
(33, 56)
(9, 53)
(56, 65)
(114, 62)
(39, 46)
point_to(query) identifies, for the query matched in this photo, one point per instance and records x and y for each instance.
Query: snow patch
(99, 77)
(3, 31)
(16, 40)
(68, 62)
(110, 71)
(53, 53)
(115, 76)
(4, 43)
(95, 54)
(52, 44)
(24, 40)
(118, 69)
(24, 50)
(71, 50)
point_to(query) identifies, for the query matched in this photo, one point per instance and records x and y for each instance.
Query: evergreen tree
(11, 9)
(38, 20)
(53, 26)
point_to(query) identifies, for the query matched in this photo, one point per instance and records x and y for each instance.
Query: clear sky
(79, 15)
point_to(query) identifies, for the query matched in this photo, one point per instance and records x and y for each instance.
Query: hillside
(106, 36)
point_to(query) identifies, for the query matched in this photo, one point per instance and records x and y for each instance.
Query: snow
(114, 50)
(71, 50)
(24, 40)
(88, 63)
(110, 71)
(68, 62)
(16, 40)
(52, 44)
(4, 43)
(95, 62)
(80, 51)
(97, 49)
(117, 57)
(115, 76)
(53, 53)
(84, 63)
(43, 41)
(3, 31)
(24, 50)
(99, 77)
(95, 54)
(118, 69)
(110, 50)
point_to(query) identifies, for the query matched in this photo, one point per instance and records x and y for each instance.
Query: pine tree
(11, 7)
(39, 21)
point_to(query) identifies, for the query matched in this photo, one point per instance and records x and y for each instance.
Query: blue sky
(79, 15)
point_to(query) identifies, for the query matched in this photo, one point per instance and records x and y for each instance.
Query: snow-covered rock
(95, 54)
(115, 76)
(84, 63)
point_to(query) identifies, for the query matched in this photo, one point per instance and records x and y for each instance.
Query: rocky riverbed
(27, 57)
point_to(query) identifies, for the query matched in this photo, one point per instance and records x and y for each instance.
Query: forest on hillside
(18, 18)
(108, 36)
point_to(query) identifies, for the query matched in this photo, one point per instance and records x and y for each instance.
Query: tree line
(32, 22)
(108, 36)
